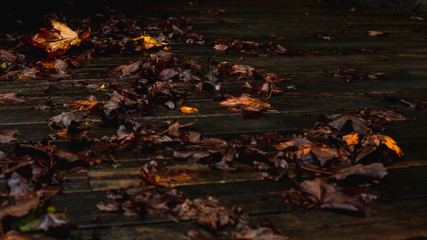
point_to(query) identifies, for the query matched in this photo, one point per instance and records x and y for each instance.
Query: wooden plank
(299, 225)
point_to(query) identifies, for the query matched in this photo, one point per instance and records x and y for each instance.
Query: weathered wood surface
(402, 56)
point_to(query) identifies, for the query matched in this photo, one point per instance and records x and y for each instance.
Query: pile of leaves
(348, 151)
(351, 152)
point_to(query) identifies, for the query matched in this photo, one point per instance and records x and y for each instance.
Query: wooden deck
(402, 56)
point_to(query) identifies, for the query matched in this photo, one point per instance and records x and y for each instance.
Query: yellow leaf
(149, 42)
(351, 139)
(102, 88)
(188, 110)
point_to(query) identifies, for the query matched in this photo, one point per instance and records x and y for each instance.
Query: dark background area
(31, 15)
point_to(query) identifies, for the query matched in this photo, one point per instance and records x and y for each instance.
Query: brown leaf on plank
(22, 207)
(8, 135)
(343, 122)
(222, 218)
(162, 176)
(374, 171)
(12, 97)
(374, 33)
(389, 115)
(351, 73)
(322, 194)
(246, 103)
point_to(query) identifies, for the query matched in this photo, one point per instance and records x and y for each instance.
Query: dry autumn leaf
(246, 103)
(386, 140)
(351, 139)
(149, 42)
(58, 41)
(188, 110)
(84, 105)
(8, 135)
(12, 97)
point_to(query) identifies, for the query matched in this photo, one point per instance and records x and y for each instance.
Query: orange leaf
(388, 141)
(351, 139)
(188, 110)
(84, 105)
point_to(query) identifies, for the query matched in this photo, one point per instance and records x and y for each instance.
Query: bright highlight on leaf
(58, 41)
(188, 110)
(351, 139)
(149, 42)
(388, 141)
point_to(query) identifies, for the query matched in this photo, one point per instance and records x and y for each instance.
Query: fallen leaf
(12, 97)
(58, 41)
(162, 176)
(389, 115)
(83, 105)
(344, 121)
(388, 141)
(374, 171)
(8, 135)
(21, 207)
(188, 110)
(377, 33)
(351, 139)
(245, 102)
(149, 42)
